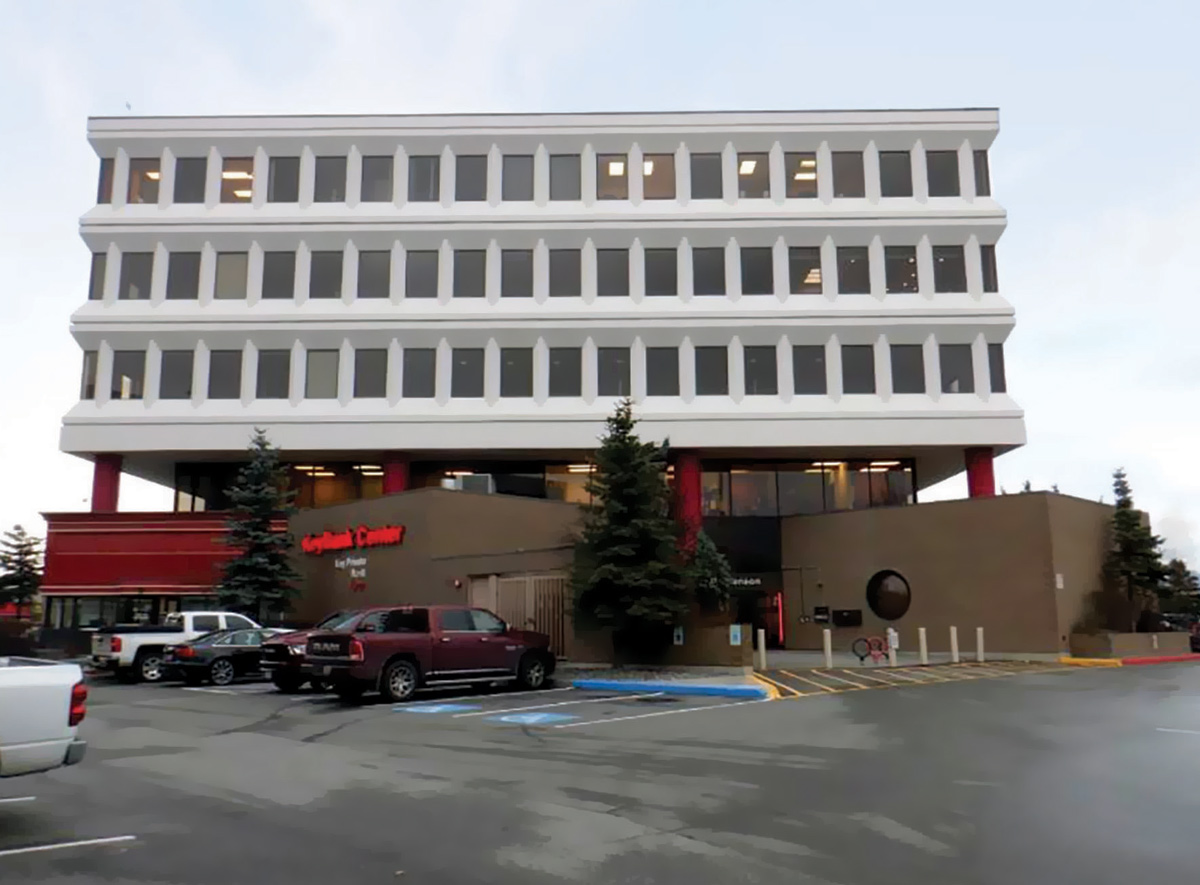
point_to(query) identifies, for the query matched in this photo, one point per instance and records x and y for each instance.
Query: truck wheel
(532, 672)
(399, 681)
(149, 666)
(286, 683)
(221, 672)
(350, 691)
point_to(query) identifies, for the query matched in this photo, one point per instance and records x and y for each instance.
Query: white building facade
(805, 303)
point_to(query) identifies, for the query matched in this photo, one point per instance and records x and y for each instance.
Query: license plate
(326, 670)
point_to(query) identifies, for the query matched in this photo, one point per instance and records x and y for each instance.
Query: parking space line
(56, 846)
(16, 799)
(619, 697)
(778, 685)
(828, 675)
(501, 694)
(922, 675)
(872, 678)
(810, 681)
(665, 713)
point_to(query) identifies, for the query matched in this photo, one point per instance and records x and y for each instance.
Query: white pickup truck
(41, 706)
(136, 651)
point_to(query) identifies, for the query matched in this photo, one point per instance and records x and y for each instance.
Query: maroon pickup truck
(398, 649)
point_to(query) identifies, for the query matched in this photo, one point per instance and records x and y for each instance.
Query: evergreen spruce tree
(627, 571)
(711, 576)
(260, 579)
(20, 566)
(1135, 559)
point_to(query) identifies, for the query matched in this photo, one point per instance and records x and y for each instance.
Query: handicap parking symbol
(436, 708)
(532, 718)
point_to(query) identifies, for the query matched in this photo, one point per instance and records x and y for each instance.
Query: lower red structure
(688, 499)
(395, 475)
(106, 483)
(981, 477)
(1165, 659)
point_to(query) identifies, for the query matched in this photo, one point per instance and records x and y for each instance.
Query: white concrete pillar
(166, 178)
(733, 270)
(207, 281)
(683, 175)
(954, 645)
(736, 369)
(254, 274)
(933, 367)
(445, 365)
(883, 368)
(780, 268)
(966, 171)
(683, 271)
(201, 366)
(353, 177)
(923, 644)
(824, 173)
(980, 368)
(833, 367)
(262, 172)
(784, 376)
(827, 646)
(447, 177)
(299, 374)
(491, 273)
(876, 268)
(979, 645)
(491, 372)
(120, 186)
(635, 175)
(400, 178)
(637, 370)
(395, 372)
(303, 273)
(212, 181)
(872, 186)
(495, 176)
(637, 271)
(345, 378)
(729, 173)
(587, 175)
(587, 263)
(349, 273)
(541, 372)
(397, 273)
(541, 177)
(158, 274)
(777, 174)
(925, 268)
(829, 281)
(112, 274)
(104, 367)
(541, 272)
(920, 173)
(153, 374)
(590, 372)
(973, 262)
(687, 370)
(308, 177)
(249, 372)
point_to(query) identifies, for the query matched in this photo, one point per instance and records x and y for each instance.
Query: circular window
(888, 595)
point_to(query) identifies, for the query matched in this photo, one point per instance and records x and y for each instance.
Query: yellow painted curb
(769, 685)
(1090, 662)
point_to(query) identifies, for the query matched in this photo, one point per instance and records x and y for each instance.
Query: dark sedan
(219, 657)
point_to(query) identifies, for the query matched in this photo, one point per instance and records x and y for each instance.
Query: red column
(981, 478)
(688, 499)
(106, 483)
(395, 474)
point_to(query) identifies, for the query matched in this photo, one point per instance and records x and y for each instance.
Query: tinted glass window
(330, 182)
(421, 275)
(762, 379)
(662, 371)
(983, 177)
(486, 622)
(456, 621)
(758, 271)
(565, 272)
(858, 368)
(708, 271)
(237, 179)
(470, 178)
(564, 177)
(424, 179)
(958, 372)
(470, 273)
(136, 268)
(128, 374)
(283, 180)
(374, 274)
(414, 620)
(175, 380)
(949, 269)
(800, 171)
(908, 368)
(370, 373)
(706, 177)
(274, 370)
(516, 371)
(658, 176)
(566, 378)
(183, 276)
(900, 268)
(895, 174)
(232, 271)
(466, 375)
(225, 374)
(804, 270)
(517, 181)
(325, 275)
(612, 272)
(191, 174)
(613, 371)
(104, 185)
(942, 168)
(808, 369)
(143, 181)
(279, 275)
(238, 622)
(419, 372)
(377, 179)
(987, 259)
(848, 179)
(662, 271)
(996, 368)
(612, 177)
(96, 280)
(854, 275)
(712, 371)
(206, 623)
(516, 273)
(87, 385)
(754, 176)
(321, 374)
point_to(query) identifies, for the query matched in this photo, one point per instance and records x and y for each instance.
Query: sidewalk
(729, 682)
(811, 660)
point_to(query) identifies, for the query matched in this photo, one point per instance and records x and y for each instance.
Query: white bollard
(762, 649)
(924, 646)
(954, 645)
(979, 644)
(827, 642)
(893, 639)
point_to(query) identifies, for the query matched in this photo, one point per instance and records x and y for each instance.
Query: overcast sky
(1096, 163)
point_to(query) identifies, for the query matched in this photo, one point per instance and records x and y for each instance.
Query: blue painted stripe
(676, 688)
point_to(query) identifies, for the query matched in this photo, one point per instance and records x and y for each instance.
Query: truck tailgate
(101, 644)
(35, 703)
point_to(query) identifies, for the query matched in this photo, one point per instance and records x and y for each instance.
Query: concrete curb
(751, 692)
(1090, 662)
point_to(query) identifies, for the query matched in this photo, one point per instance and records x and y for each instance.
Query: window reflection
(714, 494)
(753, 493)
(568, 482)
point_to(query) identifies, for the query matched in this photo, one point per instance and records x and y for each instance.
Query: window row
(707, 177)
(565, 372)
(468, 271)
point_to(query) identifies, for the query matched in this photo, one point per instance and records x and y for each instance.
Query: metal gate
(536, 602)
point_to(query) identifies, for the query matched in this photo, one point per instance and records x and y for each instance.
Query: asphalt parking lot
(1037, 777)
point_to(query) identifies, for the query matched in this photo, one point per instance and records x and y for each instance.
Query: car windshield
(338, 621)
(208, 638)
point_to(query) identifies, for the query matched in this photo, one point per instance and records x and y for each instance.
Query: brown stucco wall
(987, 563)
(1080, 537)
(1130, 645)
(449, 536)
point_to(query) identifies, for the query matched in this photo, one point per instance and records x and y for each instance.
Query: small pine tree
(1028, 487)
(627, 572)
(1182, 583)
(1054, 488)
(711, 576)
(20, 566)
(260, 579)
(1135, 560)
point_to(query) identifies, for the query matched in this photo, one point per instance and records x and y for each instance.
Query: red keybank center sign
(353, 539)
